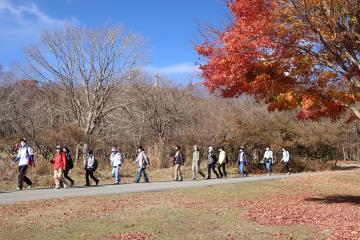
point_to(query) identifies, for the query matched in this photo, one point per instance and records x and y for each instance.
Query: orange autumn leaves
(274, 53)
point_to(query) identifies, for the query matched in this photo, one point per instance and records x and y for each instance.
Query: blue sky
(169, 27)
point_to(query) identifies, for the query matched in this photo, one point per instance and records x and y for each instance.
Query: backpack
(95, 166)
(226, 159)
(31, 158)
(69, 162)
(182, 158)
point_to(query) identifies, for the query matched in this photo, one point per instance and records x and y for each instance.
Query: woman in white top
(143, 161)
(268, 158)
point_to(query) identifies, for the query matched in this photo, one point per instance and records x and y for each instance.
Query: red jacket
(59, 161)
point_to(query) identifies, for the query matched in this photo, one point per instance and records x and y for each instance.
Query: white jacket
(116, 159)
(268, 155)
(141, 158)
(24, 154)
(286, 156)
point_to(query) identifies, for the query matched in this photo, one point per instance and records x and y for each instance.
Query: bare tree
(88, 66)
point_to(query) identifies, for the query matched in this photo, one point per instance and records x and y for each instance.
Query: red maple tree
(288, 54)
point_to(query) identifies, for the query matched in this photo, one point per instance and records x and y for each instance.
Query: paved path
(47, 193)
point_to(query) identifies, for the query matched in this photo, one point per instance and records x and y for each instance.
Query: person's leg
(116, 174)
(63, 180)
(287, 167)
(93, 177)
(176, 172)
(219, 169)
(179, 173)
(193, 170)
(209, 171)
(224, 169)
(146, 179)
(113, 172)
(56, 178)
(87, 173)
(66, 176)
(214, 170)
(268, 168)
(21, 175)
(199, 170)
(241, 169)
(138, 175)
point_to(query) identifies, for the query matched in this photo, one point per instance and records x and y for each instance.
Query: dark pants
(22, 178)
(212, 167)
(139, 173)
(66, 175)
(90, 172)
(223, 172)
(286, 166)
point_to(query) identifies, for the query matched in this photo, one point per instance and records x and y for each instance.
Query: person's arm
(63, 156)
(137, 159)
(18, 157)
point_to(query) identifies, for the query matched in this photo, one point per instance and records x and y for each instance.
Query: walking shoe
(29, 187)
(18, 189)
(72, 183)
(57, 187)
(86, 185)
(97, 182)
(65, 186)
(116, 183)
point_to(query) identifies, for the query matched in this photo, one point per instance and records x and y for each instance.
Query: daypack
(69, 162)
(226, 159)
(31, 158)
(95, 166)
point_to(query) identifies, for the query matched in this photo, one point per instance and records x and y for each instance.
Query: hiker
(143, 161)
(25, 158)
(116, 161)
(285, 159)
(179, 161)
(90, 166)
(195, 167)
(69, 165)
(241, 161)
(268, 159)
(59, 164)
(212, 159)
(222, 162)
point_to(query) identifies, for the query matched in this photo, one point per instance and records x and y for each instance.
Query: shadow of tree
(336, 199)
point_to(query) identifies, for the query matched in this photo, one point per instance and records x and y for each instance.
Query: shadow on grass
(345, 167)
(336, 199)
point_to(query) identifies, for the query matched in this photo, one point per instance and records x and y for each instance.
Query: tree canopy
(289, 54)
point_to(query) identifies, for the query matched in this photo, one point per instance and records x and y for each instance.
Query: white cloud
(25, 19)
(180, 68)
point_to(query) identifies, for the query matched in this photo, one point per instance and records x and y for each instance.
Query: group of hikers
(62, 163)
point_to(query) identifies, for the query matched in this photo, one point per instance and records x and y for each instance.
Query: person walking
(24, 157)
(179, 161)
(242, 160)
(222, 162)
(196, 160)
(285, 159)
(212, 159)
(268, 159)
(116, 162)
(69, 165)
(59, 164)
(90, 166)
(143, 162)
